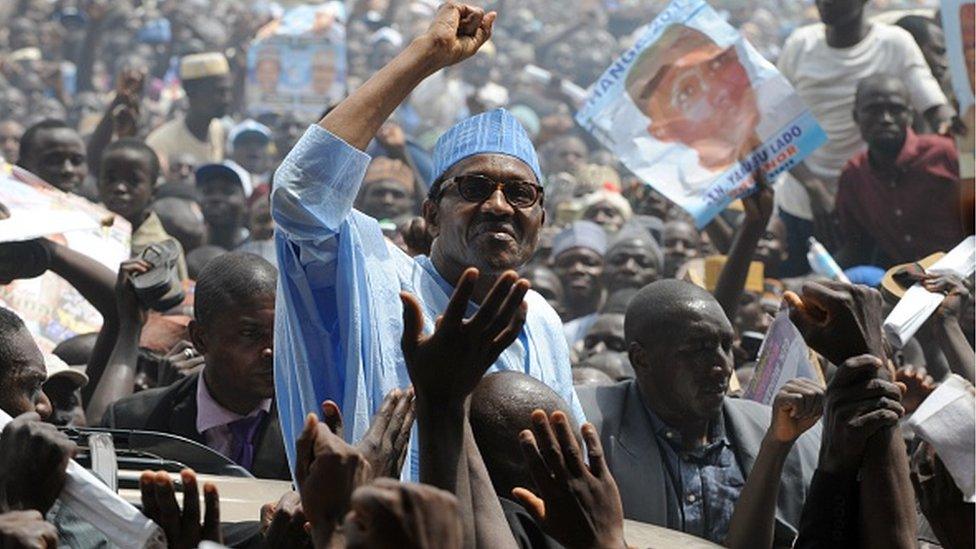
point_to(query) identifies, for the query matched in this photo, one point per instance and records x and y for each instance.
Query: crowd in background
(140, 106)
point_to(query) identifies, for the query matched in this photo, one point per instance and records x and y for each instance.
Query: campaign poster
(693, 110)
(298, 63)
(50, 307)
(783, 356)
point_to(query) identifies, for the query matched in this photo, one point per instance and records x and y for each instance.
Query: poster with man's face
(694, 110)
(298, 63)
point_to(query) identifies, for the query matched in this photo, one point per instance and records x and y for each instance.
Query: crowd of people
(449, 317)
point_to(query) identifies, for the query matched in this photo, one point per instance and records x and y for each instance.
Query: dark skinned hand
(328, 470)
(941, 501)
(758, 206)
(838, 320)
(19, 260)
(178, 363)
(389, 513)
(858, 405)
(127, 302)
(580, 505)
(918, 386)
(27, 530)
(33, 462)
(446, 366)
(797, 407)
(457, 32)
(955, 291)
(416, 236)
(283, 523)
(182, 528)
(385, 443)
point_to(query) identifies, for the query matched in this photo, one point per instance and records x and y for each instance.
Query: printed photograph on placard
(693, 110)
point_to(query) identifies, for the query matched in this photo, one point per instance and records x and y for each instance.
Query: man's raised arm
(455, 34)
(318, 181)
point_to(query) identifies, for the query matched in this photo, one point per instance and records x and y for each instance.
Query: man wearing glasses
(339, 318)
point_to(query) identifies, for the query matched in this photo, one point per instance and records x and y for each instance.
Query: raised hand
(457, 32)
(327, 469)
(838, 320)
(385, 443)
(182, 528)
(283, 523)
(758, 206)
(33, 460)
(26, 530)
(416, 237)
(446, 366)
(388, 513)
(796, 408)
(127, 301)
(580, 505)
(955, 290)
(858, 405)
(918, 386)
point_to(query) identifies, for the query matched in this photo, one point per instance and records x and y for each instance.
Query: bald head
(654, 311)
(501, 406)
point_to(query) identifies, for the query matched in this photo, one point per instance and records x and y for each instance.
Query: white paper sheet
(947, 421)
(918, 304)
(121, 523)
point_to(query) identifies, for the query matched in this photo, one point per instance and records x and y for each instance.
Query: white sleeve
(787, 58)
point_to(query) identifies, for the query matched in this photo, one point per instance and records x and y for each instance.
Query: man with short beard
(897, 201)
(340, 318)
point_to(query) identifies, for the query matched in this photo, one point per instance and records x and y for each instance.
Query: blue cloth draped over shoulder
(338, 315)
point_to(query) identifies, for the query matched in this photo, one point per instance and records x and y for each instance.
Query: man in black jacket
(229, 405)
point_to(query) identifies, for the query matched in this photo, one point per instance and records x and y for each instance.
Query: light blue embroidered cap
(492, 132)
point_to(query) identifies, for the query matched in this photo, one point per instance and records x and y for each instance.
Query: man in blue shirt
(339, 316)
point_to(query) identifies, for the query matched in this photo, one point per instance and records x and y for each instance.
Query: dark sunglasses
(478, 188)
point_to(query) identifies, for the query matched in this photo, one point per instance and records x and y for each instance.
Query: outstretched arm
(796, 408)
(759, 208)
(118, 377)
(456, 33)
(445, 367)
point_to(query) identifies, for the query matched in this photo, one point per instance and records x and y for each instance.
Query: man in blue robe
(339, 316)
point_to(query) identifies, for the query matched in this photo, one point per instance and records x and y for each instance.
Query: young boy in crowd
(128, 172)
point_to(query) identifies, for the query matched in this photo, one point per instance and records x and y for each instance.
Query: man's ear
(198, 336)
(431, 212)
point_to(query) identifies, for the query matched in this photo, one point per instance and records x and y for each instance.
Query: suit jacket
(173, 409)
(632, 452)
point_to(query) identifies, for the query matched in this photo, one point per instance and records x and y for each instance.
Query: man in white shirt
(824, 62)
(206, 80)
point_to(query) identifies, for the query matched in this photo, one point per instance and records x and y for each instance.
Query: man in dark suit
(229, 405)
(679, 449)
